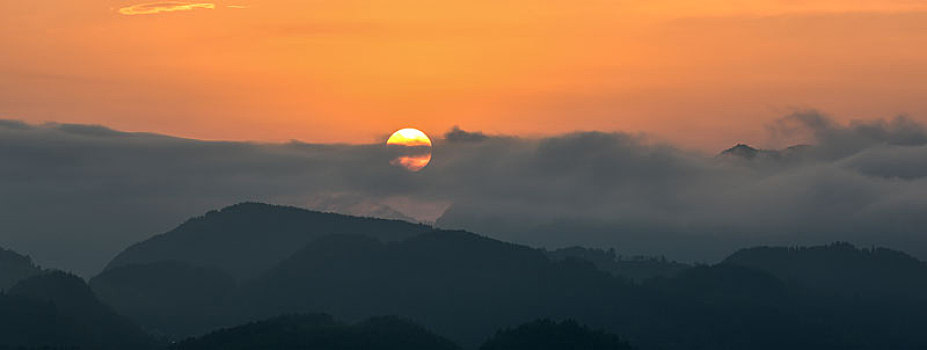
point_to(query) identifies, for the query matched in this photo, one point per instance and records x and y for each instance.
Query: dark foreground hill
(464, 286)
(56, 310)
(320, 331)
(551, 335)
(245, 239)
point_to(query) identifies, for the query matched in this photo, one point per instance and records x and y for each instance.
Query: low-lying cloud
(74, 195)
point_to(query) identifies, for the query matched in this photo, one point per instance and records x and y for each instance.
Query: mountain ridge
(57, 310)
(464, 286)
(264, 233)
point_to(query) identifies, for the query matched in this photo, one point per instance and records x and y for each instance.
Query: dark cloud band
(74, 195)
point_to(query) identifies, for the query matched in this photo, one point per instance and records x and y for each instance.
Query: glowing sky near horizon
(706, 74)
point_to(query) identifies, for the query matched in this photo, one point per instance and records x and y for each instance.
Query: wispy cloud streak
(165, 6)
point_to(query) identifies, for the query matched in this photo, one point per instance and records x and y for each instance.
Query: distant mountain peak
(743, 146)
(741, 150)
(747, 152)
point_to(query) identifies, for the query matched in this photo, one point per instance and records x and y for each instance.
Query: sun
(412, 147)
(409, 137)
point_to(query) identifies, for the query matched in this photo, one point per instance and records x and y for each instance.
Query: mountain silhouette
(57, 310)
(465, 287)
(746, 152)
(245, 239)
(550, 335)
(635, 268)
(167, 298)
(460, 284)
(14, 268)
(725, 284)
(742, 151)
(841, 269)
(319, 331)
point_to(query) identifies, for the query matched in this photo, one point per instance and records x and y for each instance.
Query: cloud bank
(865, 182)
(74, 195)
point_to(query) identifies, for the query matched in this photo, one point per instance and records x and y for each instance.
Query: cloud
(458, 135)
(164, 6)
(353, 204)
(74, 195)
(860, 182)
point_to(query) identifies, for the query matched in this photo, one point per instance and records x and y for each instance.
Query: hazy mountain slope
(317, 331)
(841, 270)
(245, 239)
(58, 310)
(460, 284)
(15, 267)
(170, 298)
(465, 287)
(635, 268)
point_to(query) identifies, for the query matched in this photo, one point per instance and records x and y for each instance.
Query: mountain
(14, 268)
(550, 335)
(58, 310)
(464, 286)
(746, 152)
(635, 268)
(166, 298)
(741, 151)
(841, 269)
(725, 285)
(319, 331)
(460, 284)
(245, 239)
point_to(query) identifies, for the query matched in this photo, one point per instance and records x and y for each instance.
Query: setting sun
(414, 147)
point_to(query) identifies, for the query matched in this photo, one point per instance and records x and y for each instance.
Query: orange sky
(705, 74)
